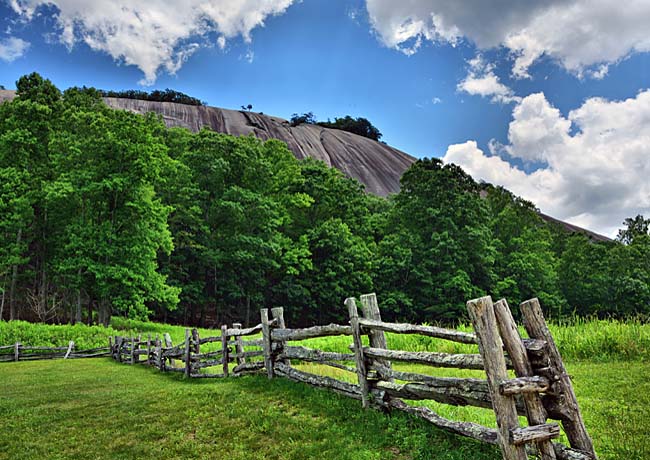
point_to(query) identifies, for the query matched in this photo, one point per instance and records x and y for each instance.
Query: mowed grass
(98, 409)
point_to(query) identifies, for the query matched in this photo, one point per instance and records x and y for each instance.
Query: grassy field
(608, 360)
(97, 409)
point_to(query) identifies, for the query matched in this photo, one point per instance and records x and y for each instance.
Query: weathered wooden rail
(20, 352)
(540, 388)
(195, 357)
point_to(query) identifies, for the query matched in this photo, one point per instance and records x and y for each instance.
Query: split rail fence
(540, 389)
(20, 352)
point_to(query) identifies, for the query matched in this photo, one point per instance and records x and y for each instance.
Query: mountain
(376, 165)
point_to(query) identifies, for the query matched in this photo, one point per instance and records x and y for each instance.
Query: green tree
(440, 227)
(634, 227)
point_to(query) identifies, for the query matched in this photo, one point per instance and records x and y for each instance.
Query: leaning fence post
(519, 357)
(481, 312)
(278, 314)
(188, 353)
(224, 349)
(70, 348)
(358, 350)
(266, 342)
(239, 346)
(563, 404)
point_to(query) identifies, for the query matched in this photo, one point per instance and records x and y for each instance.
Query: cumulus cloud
(156, 34)
(594, 176)
(581, 35)
(482, 81)
(12, 48)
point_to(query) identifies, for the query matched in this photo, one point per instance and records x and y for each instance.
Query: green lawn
(98, 409)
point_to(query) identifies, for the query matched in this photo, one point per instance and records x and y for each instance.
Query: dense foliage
(166, 95)
(106, 212)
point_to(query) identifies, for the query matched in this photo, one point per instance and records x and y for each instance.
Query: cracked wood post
(377, 338)
(239, 345)
(278, 314)
(358, 351)
(266, 342)
(565, 404)
(224, 349)
(481, 312)
(519, 357)
(188, 354)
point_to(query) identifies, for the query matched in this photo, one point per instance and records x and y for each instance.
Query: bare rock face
(376, 165)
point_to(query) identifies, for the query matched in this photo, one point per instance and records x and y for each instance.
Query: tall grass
(597, 340)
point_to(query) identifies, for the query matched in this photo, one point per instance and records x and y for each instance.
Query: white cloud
(481, 81)
(436, 100)
(581, 35)
(221, 42)
(594, 178)
(12, 48)
(156, 34)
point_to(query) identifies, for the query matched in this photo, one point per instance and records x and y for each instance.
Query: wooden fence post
(17, 351)
(148, 349)
(358, 351)
(159, 352)
(132, 350)
(239, 346)
(188, 354)
(278, 314)
(266, 342)
(481, 312)
(169, 344)
(519, 357)
(117, 349)
(563, 403)
(377, 337)
(224, 349)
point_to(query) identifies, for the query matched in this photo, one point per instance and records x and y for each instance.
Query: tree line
(360, 126)
(166, 95)
(106, 212)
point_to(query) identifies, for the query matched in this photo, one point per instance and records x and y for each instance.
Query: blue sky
(521, 99)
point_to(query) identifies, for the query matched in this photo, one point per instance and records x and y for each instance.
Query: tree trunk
(90, 312)
(13, 311)
(248, 311)
(106, 310)
(77, 315)
(2, 303)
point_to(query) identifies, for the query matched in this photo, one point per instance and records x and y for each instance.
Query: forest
(105, 212)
